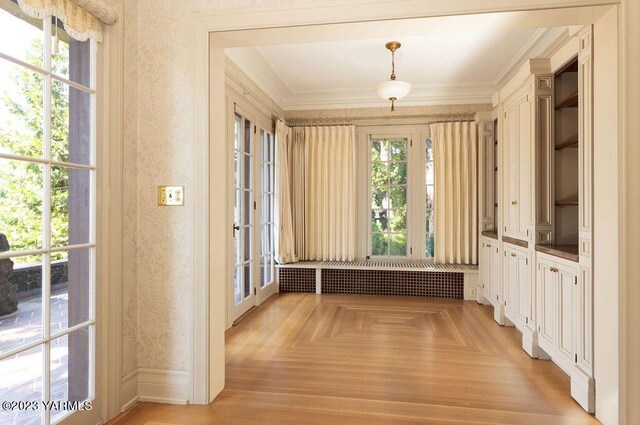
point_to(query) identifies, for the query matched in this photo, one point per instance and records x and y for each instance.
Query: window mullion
(46, 215)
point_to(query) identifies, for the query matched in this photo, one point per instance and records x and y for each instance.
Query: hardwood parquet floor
(342, 359)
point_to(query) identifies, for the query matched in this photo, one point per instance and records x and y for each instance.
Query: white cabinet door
(584, 318)
(523, 307)
(566, 279)
(510, 174)
(496, 274)
(546, 283)
(485, 268)
(510, 274)
(524, 161)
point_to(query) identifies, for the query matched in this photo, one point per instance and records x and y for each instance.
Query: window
(47, 215)
(429, 192)
(267, 169)
(400, 194)
(389, 197)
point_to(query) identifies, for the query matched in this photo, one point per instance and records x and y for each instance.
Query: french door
(252, 278)
(48, 174)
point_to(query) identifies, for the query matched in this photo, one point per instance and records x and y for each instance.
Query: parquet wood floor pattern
(341, 359)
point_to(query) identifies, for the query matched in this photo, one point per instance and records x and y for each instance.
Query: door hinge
(254, 205)
(526, 261)
(498, 297)
(575, 280)
(410, 142)
(505, 115)
(526, 320)
(576, 358)
(538, 329)
(255, 291)
(255, 129)
(410, 250)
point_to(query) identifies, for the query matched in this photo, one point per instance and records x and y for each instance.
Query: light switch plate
(171, 196)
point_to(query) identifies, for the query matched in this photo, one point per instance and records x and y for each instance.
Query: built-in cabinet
(490, 276)
(517, 286)
(535, 268)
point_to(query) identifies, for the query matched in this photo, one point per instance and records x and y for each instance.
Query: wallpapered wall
(158, 139)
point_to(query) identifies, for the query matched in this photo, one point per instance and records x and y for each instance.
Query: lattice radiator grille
(393, 282)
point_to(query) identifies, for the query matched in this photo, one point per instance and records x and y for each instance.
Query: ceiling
(449, 68)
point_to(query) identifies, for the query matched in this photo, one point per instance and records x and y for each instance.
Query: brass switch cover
(171, 196)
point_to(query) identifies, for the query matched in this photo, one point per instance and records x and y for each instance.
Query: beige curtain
(298, 198)
(82, 19)
(455, 155)
(329, 212)
(284, 245)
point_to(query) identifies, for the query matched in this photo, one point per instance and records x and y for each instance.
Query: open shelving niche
(566, 157)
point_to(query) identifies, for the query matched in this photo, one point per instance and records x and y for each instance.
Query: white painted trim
(200, 338)
(112, 122)
(163, 386)
(209, 295)
(368, 10)
(564, 54)
(629, 296)
(129, 391)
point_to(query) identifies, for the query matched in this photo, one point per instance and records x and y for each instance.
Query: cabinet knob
(514, 202)
(488, 245)
(513, 254)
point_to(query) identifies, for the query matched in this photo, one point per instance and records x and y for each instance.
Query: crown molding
(255, 63)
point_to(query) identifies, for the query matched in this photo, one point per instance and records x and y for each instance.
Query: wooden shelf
(568, 252)
(567, 203)
(572, 142)
(569, 102)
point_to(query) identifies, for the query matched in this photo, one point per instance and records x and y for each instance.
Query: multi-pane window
(243, 211)
(267, 199)
(389, 197)
(47, 215)
(429, 192)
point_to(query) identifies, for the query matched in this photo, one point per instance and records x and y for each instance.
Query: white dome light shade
(393, 89)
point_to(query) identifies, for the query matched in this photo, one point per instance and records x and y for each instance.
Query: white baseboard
(163, 386)
(129, 391)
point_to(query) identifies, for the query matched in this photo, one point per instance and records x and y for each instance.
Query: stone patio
(22, 373)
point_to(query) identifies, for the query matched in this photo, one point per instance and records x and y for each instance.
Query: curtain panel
(455, 152)
(315, 193)
(329, 211)
(284, 242)
(82, 19)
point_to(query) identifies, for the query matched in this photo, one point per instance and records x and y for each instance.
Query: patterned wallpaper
(158, 134)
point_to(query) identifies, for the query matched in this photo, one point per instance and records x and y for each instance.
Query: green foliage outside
(21, 183)
(389, 200)
(389, 197)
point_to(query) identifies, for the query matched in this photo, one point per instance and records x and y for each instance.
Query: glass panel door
(243, 226)
(267, 164)
(47, 222)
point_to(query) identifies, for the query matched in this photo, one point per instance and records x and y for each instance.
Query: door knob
(514, 202)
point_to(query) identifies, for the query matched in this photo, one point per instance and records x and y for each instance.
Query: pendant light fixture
(393, 89)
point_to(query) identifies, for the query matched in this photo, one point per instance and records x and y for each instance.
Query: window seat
(409, 278)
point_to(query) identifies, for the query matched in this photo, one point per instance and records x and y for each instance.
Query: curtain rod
(332, 123)
(319, 124)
